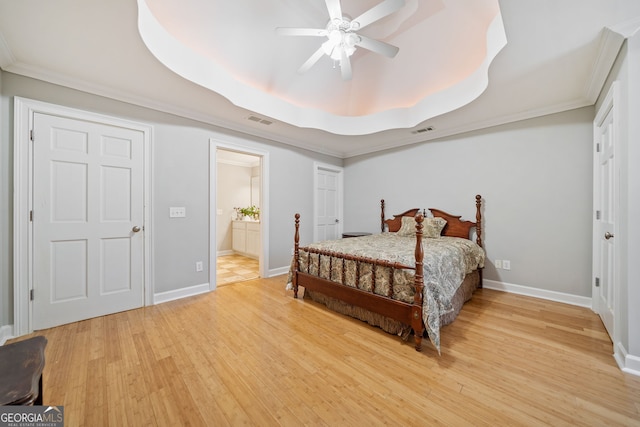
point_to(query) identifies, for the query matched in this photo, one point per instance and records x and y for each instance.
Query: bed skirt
(462, 295)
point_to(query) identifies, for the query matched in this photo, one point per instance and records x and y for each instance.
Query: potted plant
(250, 212)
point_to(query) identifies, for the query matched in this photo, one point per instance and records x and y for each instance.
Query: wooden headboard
(394, 223)
(455, 226)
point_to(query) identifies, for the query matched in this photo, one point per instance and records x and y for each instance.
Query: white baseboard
(180, 293)
(225, 253)
(278, 271)
(538, 293)
(627, 362)
(6, 332)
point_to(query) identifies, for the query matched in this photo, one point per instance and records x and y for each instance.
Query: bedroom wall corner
(625, 73)
(633, 162)
(535, 177)
(6, 209)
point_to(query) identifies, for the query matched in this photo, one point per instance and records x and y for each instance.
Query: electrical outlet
(199, 266)
(506, 264)
(497, 263)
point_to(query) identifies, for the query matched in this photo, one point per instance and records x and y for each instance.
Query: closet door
(328, 203)
(88, 211)
(606, 201)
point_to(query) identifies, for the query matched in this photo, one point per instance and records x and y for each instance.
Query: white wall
(233, 190)
(535, 178)
(181, 150)
(6, 203)
(180, 178)
(632, 266)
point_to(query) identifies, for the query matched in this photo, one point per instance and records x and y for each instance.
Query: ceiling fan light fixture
(348, 49)
(351, 40)
(329, 47)
(336, 36)
(339, 42)
(339, 24)
(342, 37)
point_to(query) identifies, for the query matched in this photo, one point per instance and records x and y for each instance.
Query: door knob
(135, 229)
(608, 235)
(337, 220)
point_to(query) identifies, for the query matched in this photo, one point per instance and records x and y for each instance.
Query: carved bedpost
(296, 245)
(382, 216)
(416, 309)
(479, 231)
(478, 220)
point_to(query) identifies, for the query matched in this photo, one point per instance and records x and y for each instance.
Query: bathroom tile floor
(235, 268)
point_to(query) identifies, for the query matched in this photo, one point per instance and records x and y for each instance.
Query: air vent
(259, 120)
(427, 129)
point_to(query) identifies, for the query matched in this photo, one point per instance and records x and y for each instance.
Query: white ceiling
(201, 41)
(556, 58)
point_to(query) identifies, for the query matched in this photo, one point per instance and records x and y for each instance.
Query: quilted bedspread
(447, 260)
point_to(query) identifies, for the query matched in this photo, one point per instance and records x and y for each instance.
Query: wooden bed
(407, 313)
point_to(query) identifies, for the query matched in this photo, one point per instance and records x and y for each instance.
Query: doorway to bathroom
(239, 215)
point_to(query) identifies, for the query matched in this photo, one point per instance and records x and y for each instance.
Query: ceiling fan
(342, 36)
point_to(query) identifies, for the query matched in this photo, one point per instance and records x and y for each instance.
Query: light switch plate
(177, 212)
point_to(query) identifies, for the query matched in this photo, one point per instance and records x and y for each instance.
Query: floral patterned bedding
(447, 260)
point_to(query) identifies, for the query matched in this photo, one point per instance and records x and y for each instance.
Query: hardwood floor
(250, 354)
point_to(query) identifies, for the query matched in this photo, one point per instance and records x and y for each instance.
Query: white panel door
(88, 210)
(328, 204)
(605, 201)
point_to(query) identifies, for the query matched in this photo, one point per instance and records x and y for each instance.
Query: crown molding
(45, 75)
(627, 28)
(474, 126)
(610, 44)
(611, 41)
(99, 90)
(6, 57)
(107, 92)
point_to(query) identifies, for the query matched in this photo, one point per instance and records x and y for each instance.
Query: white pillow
(407, 226)
(432, 227)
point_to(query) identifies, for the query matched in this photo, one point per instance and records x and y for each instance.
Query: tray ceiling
(446, 48)
(557, 57)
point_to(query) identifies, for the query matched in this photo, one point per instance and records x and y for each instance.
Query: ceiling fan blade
(334, 8)
(378, 47)
(345, 66)
(311, 61)
(284, 31)
(387, 7)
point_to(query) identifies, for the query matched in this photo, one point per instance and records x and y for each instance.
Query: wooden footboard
(410, 314)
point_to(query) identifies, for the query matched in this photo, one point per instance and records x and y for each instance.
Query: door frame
(317, 166)
(263, 259)
(609, 105)
(24, 110)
